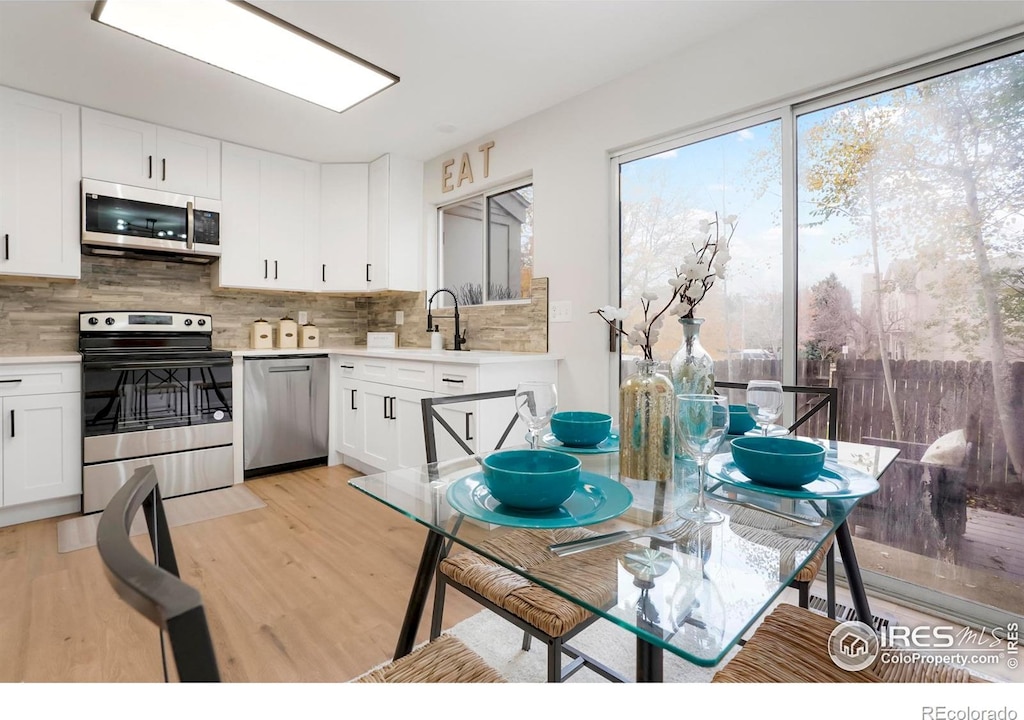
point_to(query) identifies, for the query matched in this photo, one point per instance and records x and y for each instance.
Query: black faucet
(459, 340)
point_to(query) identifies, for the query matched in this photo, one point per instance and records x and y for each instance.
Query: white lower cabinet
(41, 446)
(377, 412)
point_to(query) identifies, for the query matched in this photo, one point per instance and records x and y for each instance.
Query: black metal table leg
(853, 578)
(650, 662)
(420, 589)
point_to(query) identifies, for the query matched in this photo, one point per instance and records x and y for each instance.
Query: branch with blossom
(691, 283)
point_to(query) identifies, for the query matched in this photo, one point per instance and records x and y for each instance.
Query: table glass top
(691, 590)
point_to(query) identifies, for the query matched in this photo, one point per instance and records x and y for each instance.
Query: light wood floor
(311, 588)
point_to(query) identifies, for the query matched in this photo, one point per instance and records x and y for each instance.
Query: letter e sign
(465, 168)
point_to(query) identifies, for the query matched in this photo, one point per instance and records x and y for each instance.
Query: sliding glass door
(879, 249)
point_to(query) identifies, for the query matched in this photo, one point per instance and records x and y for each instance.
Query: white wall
(803, 47)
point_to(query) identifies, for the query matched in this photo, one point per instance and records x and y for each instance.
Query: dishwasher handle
(289, 368)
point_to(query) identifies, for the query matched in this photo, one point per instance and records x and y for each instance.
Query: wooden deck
(994, 542)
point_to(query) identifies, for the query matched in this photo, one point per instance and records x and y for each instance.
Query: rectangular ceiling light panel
(247, 41)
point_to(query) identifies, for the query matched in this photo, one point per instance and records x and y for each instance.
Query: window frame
(485, 198)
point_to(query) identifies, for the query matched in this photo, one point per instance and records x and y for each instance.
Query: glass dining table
(682, 588)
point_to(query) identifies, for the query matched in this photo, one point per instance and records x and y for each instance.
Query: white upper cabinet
(395, 224)
(122, 150)
(270, 221)
(340, 264)
(40, 171)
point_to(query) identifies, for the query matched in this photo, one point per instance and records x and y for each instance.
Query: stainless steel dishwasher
(284, 412)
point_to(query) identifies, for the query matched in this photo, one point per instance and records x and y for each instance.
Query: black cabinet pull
(275, 269)
(468, 435)
(163, 168)
(150, 166)
(11, 381)
(393, 416)
(353, 403)
(386, 416)
(265, 276)
(323, 273)
(452, 380)
(367, 272)
(7, 246)
(347, 367)
(12, 423)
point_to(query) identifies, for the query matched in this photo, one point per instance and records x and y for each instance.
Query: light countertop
(468, 357)
(61, 357)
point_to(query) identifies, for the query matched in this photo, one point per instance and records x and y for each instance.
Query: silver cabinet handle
(289, 368)
(190, 224)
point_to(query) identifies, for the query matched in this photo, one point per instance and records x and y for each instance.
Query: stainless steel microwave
(126, 221)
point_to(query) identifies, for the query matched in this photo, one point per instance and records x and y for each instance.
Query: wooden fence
(933, 398)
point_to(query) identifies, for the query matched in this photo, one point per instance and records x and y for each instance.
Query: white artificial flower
(730, 220)
(650, 296)
(704, 226)
(723, 241)
(640, 327)
(677, 309)
(720, 268)
(609, 311)
(658, 323)
(677, 281)
(694, 269)
(694, 291)
(635, 338)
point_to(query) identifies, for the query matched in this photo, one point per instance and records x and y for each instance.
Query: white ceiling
(467, 67)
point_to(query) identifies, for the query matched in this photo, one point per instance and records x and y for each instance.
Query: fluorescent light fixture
(247, 41)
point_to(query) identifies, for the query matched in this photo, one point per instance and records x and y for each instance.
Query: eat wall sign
(465, 168)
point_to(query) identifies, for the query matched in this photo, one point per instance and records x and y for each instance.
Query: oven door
(178, 403)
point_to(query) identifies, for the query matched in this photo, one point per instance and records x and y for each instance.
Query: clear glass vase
(646, 427)
(693, 369)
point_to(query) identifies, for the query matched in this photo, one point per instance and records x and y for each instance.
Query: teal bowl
(740, 420)
(581, 429)
(531, 479)
(778, 462)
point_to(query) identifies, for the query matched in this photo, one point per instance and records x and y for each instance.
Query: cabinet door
(40, 225)
(407, 419)
(241, 264)
(350, 439)
(41, 447)
(378, 225)
(378, 428)
(188, 164)
(118, 149)
(463, 419)
(344, 210)
(405, 224)
(286, 226)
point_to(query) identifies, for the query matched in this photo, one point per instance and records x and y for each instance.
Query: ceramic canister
(260, 335)
(287, 333)
(309, 336)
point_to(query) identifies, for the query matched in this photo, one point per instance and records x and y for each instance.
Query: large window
(665, 196)
(487, 246)
(879, 249)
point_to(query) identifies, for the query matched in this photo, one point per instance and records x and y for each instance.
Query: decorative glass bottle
(693, 370)
(646, 427)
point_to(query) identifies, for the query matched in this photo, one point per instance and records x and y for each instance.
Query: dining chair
(537, 611)
(445, 659)
(154, 587)
(791, 645)
(809, 572)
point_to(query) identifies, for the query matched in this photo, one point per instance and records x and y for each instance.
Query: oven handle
(157, 364)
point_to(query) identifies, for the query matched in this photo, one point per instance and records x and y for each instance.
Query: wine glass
(701, 424)
(764, 402)
(536, 402)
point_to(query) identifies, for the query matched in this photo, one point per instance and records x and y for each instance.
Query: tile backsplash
(512, 327)
(39, 316)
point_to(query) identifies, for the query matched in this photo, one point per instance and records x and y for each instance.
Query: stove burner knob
(201, 322)
(109, 321)
(188, 321)
(94, 321)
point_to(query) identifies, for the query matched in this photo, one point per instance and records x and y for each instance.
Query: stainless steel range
(153, 392)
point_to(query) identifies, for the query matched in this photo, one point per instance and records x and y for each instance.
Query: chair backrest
(830, 400)
(154, 588)
(430, 414)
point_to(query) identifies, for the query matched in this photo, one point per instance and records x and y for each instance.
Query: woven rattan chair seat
(444, 660)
